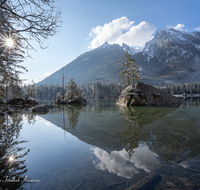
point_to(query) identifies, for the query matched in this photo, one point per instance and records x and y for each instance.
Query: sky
(88, 24)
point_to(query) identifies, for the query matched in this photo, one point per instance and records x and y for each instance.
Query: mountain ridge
(171, 55)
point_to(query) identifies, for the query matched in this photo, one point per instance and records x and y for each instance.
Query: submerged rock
(42, 109)
(79, 100)
(145, 95)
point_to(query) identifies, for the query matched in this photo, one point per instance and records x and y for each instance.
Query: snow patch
(140, 68)
(198, 47)
(43, 120)
(85, 59)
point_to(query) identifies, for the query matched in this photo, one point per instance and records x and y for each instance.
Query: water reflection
(191, 102)
(136, 117)
(101, 107)
(175, 137)
(72, 112)
(144, 115)
(128, 143)
(12, 163)
(30, 116)
(133, 133)
(172, 133)
(120, 163)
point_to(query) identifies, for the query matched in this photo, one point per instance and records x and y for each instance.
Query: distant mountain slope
(100, 64)
(171, 56)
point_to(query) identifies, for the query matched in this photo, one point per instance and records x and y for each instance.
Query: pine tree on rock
(131, 72)
(72, 90)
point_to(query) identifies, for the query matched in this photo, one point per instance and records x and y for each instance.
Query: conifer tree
(131, 72)
(31, 90)
(72, 90)
(58, 95)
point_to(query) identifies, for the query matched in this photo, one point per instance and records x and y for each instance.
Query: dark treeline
(99, 90)
(188, 88)
(108, 90)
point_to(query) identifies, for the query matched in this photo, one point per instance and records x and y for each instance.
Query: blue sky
(89, 23)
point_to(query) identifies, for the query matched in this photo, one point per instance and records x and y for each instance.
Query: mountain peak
(125, 46)
(131, 50)
(105, 45)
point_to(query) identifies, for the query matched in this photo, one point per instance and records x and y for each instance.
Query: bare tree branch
(39, 18)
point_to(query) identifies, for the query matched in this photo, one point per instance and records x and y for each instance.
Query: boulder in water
(145, 95)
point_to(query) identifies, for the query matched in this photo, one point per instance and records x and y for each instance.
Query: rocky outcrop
(2, 113)
(31, 101)
(42, 109)
(2, 102)
(22, 102)
(71, 101)
(145, 95)
(7, 110)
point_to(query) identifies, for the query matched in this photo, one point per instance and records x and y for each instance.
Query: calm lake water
(102, 146)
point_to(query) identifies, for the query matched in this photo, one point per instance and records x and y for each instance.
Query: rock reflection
(144, 115)
(173, 133)
(12, 165)
(119, 162)
(136, 117)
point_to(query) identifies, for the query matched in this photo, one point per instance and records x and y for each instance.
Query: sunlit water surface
(102, 146)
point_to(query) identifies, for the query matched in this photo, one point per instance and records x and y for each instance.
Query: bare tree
(37, 18)
(20, 22)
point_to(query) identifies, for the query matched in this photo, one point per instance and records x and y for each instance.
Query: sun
(11, 158)
(7, 41)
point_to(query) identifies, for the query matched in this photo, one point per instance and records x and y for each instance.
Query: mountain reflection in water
(110, 147)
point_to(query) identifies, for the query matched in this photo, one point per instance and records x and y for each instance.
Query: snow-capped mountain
(172, 42)
(172, 53)
(172, 56)
(130, 50)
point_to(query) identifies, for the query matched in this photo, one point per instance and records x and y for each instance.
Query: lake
(102, 146)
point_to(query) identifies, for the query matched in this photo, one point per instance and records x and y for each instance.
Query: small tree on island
(72, 90)
(58, 95)
(131, 72)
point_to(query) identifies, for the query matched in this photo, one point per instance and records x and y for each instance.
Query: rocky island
(142, 94)
(72, 95)
(16, 104)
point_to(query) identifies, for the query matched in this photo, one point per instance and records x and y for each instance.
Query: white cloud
(177, 27)
(198, 28)
(120, 31)
(118, 162)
